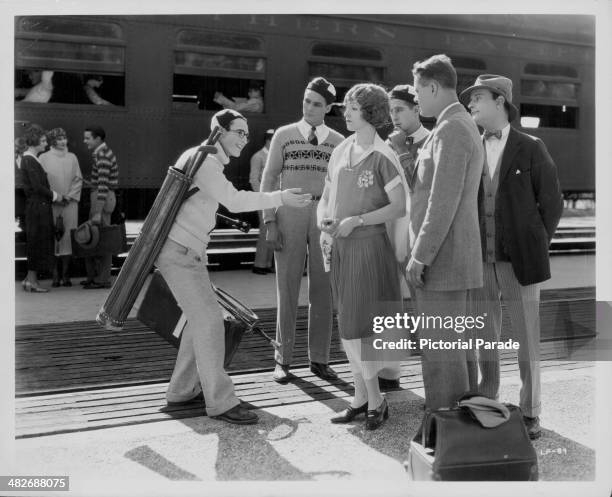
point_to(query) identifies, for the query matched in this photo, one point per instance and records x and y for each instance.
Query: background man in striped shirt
(104, 181)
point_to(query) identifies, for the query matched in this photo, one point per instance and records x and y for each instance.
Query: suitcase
(453, 445)
(160, 312)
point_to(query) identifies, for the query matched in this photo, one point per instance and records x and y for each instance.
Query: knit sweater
(105, 171)
(295, 163)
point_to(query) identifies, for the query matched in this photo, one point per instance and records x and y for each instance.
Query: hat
(404, 92)
(269, 133)
(488, 412)
(323, 88)
(87, 235)
(499, 85)
(224, 118)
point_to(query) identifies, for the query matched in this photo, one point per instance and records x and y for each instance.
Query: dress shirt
(494, 149)
(321, 130)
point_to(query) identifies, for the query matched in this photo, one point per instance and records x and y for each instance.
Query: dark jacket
(528, 207)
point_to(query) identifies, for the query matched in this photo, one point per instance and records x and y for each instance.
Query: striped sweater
(105, 171)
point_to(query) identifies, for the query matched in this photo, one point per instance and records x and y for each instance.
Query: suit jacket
(444, 232)
(528, 207)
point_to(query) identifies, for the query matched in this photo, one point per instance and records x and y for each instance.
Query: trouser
(445, 373)
(98, 268)
(523, 306)
(199, 364)
(263, 254)
(300, 236)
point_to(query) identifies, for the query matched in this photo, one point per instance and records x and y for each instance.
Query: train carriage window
(345, 66)
(218, 70)
(550, 95)
(62, 60)
(468, 69)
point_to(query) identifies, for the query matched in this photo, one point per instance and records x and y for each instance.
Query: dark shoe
(55, 283)
(533, 427)
(281, 373)
(66, 283)
(259, 270)
(193, 400)
(323, 371)
(86, 282)
(384, 384)
(238, 415)
(349, 414)
(376, 417)
(94, 286)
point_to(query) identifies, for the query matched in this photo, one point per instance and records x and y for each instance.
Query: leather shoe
(349, 414)
(376, 417)
(94, 285)
(259, 270)
(323, 371)
(176, 403)
(533, 427)
(85, 282)
(281, 373)
(384, 384)
(238, 415)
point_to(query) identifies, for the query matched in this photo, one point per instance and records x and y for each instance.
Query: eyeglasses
(241, 133)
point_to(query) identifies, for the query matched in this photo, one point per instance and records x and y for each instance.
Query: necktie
(410, 140)
(312, 137)
(493, 134)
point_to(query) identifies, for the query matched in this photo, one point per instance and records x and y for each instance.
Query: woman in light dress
(64, 175)
(364, 198)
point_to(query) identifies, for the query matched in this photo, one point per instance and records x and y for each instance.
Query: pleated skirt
(365, 281)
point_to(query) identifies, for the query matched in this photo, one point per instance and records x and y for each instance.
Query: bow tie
(493, 134)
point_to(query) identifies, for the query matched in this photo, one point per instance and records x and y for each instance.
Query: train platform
(114, 434)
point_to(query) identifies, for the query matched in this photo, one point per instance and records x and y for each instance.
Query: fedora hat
(500, 85)
(87, 235)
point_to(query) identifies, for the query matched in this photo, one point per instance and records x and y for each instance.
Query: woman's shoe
(377, 417)
(34, 289)
(349, 414)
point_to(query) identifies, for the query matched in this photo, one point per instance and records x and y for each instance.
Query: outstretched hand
(294, 198)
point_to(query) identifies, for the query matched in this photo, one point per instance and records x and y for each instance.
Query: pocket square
(518, 171)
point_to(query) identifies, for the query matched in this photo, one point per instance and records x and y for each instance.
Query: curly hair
(56, 134)
(33, 135)
(373, 100)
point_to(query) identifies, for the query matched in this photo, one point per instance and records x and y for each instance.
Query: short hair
(224, 118)
(438, 68)
(56, 134)
(97, 131)
(373, 100)
(33, 135)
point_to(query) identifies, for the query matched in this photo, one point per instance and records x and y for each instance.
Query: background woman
(365, 188)
(64, 175)
(38, 214)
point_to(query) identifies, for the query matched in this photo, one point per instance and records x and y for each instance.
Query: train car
(155, 78)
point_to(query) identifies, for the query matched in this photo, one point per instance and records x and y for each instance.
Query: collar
(220, 156)
(99, 147)
(378, 146)
(445, 110)
(30, 154)
(321, 130)
(419, 134)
